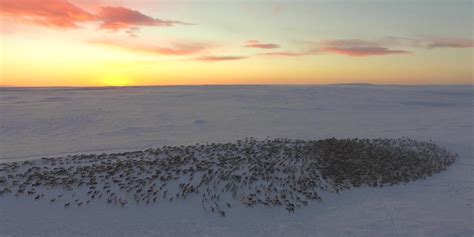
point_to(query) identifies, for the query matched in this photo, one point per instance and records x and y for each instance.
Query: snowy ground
(42, 122)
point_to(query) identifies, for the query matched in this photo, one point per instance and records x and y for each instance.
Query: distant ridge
(352, 84)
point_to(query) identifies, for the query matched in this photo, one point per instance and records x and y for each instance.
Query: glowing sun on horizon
(114, 79)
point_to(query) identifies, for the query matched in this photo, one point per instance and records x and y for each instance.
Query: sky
(194, 42)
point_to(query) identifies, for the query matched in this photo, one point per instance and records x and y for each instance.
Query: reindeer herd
(274, 172)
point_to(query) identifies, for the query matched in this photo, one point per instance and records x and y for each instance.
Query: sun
(114, 79)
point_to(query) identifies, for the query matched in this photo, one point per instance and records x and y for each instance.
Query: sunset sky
(153, 42)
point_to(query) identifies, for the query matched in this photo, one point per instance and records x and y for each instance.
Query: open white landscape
(46, 122)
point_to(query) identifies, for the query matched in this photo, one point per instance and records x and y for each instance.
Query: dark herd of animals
(277, 172)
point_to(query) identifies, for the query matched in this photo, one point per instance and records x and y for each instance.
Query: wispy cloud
(276, 9)
(116, 18)
(379, 47)
(428, 42)
(258, 44)
(347, 47)
(363, 51)
(307, 52)
(447, 43)
(357, 48)
(219, 58)
(285, 54)
(177, 49)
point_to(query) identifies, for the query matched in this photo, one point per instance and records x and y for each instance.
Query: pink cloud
(53, 13)
(252, 41)
(257, 44)
(219, 58)
(178, 49)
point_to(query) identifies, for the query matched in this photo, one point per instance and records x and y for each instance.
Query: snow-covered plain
(55, 122)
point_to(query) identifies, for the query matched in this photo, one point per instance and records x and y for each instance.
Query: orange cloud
(219, 58)
(53, 13)
(63, 14)
(257, 44)
(178, 49)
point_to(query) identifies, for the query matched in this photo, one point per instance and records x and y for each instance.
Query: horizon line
(230, 85)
